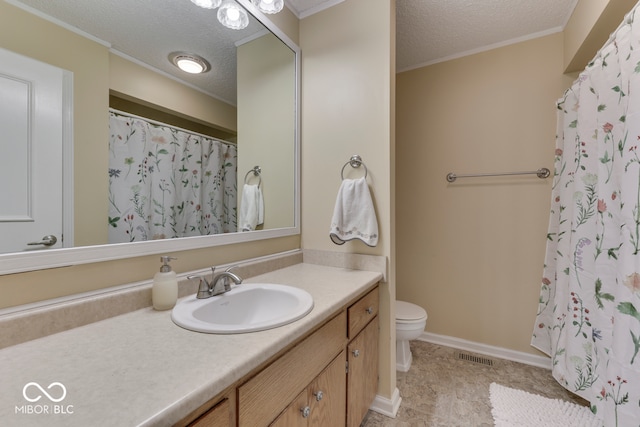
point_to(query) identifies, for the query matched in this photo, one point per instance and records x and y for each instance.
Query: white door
(33, 100)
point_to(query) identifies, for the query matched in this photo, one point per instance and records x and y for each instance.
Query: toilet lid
(408, 311)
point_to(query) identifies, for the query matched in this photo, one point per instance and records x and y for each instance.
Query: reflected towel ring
(355, 161)
(257, 171)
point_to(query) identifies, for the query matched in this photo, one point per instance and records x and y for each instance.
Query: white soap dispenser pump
(164, 293)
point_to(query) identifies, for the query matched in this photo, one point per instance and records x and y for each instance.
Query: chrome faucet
(219, 284)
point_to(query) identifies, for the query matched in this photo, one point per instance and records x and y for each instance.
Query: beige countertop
(140, 368)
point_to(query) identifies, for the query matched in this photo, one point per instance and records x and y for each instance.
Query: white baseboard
(387, 407)
(488, 350)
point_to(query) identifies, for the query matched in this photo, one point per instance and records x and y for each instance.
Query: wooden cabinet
(320, 404)
(328, 378)
(362, 378)
(262, 398)
(362, 356)
(218, 416)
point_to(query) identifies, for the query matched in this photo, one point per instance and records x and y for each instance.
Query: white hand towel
(353, 215)
(251, 208)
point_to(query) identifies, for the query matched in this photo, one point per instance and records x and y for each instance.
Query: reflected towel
(353, 215)
(251, 208)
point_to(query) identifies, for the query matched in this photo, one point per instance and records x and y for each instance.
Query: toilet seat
(409, 313)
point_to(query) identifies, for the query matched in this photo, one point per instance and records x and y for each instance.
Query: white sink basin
(248, 307)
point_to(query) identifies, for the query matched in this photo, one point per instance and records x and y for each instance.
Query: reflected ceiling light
(190, 63)
(268, 6)
(207, 4)
(232, 15)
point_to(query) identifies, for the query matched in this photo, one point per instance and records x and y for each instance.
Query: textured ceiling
(428, 31)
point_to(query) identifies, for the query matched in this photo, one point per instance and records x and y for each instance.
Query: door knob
(319, 395)
(356, 353)
(306, 411)
(49, 240)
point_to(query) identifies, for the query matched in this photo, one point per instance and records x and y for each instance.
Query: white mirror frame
(41, 260)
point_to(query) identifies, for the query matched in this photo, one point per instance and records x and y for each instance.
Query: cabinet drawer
(362, 312)
(264, 396)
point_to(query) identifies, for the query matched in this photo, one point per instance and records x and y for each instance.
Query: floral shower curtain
(589, 313)
(165, 182)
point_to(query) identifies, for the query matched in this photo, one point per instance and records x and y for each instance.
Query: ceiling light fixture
(207, 4)
(268, 6)
(232, 15)
(189, 63)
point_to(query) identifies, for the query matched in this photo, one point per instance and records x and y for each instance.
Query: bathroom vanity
(311, 384)
(140, 368)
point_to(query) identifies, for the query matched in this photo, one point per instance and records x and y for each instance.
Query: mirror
(263, 113)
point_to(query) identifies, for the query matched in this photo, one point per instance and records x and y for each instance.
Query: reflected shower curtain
(165, 182)
(589, 313)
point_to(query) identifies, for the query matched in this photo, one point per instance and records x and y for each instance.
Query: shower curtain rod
(541, 173)
(155, 122)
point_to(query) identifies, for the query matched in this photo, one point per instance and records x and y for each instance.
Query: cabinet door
(327, 395)
(296, 414)
(362, 379)
(218, 416)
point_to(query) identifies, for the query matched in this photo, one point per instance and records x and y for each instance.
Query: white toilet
(410, 322)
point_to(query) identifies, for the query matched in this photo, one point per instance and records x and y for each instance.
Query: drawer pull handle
(370, 310)
(356, 353)
(306, 411)
(319, 395)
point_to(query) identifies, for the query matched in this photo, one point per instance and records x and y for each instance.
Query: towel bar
(542, 173)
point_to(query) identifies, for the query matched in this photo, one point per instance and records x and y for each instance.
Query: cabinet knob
(370, 310)
(319, 395)
(306, 411)
(355, 353)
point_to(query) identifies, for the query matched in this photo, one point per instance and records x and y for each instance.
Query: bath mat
(511, 407)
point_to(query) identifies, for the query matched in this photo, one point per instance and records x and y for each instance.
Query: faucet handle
(203, 286)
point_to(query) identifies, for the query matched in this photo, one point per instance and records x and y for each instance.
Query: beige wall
(348, 70)
(588, 29)
(23, 288)
(142, 84)
(471, 252)
(266, 125)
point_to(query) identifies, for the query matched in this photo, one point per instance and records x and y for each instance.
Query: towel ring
(355, 161)
(257, 171)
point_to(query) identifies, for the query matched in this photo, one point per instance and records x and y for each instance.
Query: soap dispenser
(164, 293)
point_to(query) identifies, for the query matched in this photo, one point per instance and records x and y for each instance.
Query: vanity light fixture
(268, 6)
(207, 4)
(189, 62)
(232, 15)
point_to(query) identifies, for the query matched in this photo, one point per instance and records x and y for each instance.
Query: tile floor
(441, 389)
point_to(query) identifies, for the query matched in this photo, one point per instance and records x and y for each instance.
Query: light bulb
(189, 66)
(207, 4)
(269, 6)
(233, 16)
(189, 62)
